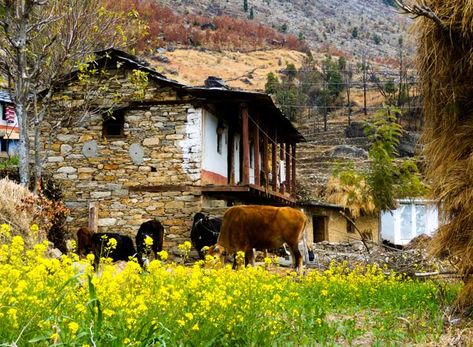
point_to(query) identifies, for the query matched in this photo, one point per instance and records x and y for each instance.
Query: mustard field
(64, 302)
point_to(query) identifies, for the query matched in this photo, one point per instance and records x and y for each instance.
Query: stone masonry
(160, 146)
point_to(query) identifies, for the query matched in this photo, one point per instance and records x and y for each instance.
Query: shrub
(21, 208)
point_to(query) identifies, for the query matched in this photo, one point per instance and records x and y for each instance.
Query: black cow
(123, 250)
(204, 232)
(155, 230)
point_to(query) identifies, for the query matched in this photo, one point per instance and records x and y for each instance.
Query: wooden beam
(245, 144)
(231, 155)
(265, 157)
(256, 148)
(274, 161)
(288, 168)
(162, 188)
(293, 167)
(282, 187)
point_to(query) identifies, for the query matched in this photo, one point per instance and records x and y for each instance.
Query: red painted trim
(208, 177)
(9, 128)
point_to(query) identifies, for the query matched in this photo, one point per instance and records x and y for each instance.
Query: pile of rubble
(411, 260)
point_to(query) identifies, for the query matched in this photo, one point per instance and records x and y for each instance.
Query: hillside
(239, 70)
(356, 27)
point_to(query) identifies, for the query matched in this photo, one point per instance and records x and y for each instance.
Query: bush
(21, 209)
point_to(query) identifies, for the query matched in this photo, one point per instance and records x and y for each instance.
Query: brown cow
(84, 241)
(263, 227)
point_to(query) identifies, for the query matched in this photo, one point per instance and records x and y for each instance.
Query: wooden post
(288, 168)
(245, 144)
(265, 157)
(282, 187)
(274, 161)
(93, 215)
(293, 176)
(231, 155)
(256, 149)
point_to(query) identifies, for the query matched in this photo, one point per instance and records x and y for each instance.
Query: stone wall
(161, 146)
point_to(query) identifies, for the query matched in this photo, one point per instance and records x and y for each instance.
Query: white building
(412, 218)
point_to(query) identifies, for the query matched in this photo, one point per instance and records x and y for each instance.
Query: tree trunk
(24, 147)
(21, 98)
(37, 158)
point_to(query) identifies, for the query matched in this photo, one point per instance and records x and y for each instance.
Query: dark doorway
(319, 224)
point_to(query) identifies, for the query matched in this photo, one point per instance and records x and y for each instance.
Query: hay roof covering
(445, 63)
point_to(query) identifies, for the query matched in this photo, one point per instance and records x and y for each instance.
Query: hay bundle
(20, 209)
(445, 63)
(351, 191)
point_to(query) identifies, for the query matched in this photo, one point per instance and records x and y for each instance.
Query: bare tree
(42, 42)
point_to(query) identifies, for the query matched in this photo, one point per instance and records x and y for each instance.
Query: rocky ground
(413, 260)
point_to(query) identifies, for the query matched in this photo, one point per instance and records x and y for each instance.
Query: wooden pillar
(265, 157)
(293, 166)
(282, 187)
(274, 161)
(231, 155)
(245, 145)
(288, 168)
(256, 148)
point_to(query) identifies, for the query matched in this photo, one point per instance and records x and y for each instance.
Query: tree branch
(421, 10)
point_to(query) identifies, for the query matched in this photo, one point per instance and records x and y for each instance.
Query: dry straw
(445, 63)
(19, 209)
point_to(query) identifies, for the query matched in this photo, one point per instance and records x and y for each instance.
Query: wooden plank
(246, 145)
(265, 158)
(256, 149)
(282, 187)
(162, 188)
(288, 168)
(231, 155)
(293, 167)
(274, 161)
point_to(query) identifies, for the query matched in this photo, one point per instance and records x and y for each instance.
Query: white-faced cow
(262, 227)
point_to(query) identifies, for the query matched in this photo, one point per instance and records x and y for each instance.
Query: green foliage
(10, 162)
(283, 28)
(301, 36)
(376, 39)
(245, 5)
(252, 15)
(272, 83)
(390, 3)
(354, 32)
(333, 80)
(290, 71)
(388, 177)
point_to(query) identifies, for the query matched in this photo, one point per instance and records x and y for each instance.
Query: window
(113, 125)
(3, 145)
(2, 111)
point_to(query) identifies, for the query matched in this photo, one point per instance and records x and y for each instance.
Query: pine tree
(245, 5)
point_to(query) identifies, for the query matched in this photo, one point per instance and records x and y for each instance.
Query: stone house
(167, 154)
(328, 223)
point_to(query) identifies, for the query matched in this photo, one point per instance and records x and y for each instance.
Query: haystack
(352, 192)
(445, 63)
